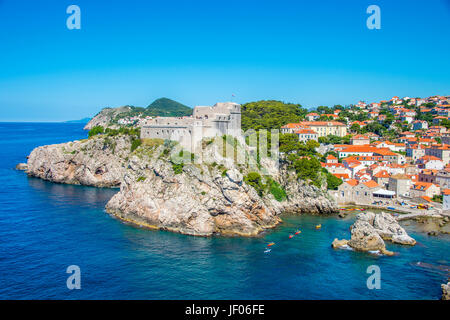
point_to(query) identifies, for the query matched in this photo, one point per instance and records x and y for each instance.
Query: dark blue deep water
(46, 227)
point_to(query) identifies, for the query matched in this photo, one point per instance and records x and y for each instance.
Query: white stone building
(206, 122)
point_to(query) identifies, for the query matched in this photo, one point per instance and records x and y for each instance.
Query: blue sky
(200, 52)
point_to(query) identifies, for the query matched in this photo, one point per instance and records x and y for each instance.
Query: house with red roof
(430, 162)
(313, 116)
(359, 139)
(420, 189)
(382, 178)
(331, 159)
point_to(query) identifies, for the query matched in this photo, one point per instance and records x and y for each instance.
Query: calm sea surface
(45, 227)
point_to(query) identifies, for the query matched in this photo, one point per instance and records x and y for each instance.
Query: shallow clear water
(46, 227)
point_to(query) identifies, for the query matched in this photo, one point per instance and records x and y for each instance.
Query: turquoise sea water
(46, 227)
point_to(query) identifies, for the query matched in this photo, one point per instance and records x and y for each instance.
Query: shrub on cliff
(95, 131)
(254, 179)
(276, 189)
(135, 144)
(308, 169)
(177, 168)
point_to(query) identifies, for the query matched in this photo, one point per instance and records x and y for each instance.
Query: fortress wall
(206, 122)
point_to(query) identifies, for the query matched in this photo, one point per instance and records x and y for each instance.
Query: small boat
(291, 236)
(271, 244)
(267, 250)
(298, 232)
(318, 226)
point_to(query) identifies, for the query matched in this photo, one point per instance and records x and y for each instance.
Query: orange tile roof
(352, 182)
(446, 192)
(371, 184)
(429, 158)
(360, 137)
(331, 157)
(341, 175)
(382, 174)
(305, 131)
(421, 186)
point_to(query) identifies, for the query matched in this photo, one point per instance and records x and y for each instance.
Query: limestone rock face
(365, 238)
(370, 230)
(99, 161)
(304, 198)
(104, 117)
(389, 229)
(339, 243)
(192, 202)
(445, 291)
(201, 198)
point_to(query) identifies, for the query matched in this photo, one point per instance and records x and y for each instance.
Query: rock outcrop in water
(370, 230)
(389, 229)
(98, 162)
(22, 167)
(191, 198)
(446, 291)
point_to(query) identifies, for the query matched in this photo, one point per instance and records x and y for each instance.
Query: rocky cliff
(157, 191)
(99, 161)
(105, 116)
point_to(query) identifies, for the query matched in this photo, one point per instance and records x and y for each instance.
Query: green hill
(162, 107)
(168, 108)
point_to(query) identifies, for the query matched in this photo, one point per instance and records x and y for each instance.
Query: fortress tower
(206, 122)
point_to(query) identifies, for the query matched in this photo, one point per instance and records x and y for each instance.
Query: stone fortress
(205, 122)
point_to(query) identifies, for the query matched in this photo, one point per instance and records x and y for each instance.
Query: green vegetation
(270, 114)
(333, 182)
(177, 168)
(135, 144)
(308, 169)
(438, 198)
(114, 132)
(255, 180)
(95, 131)
(332, 139)
(333, 153)
(276, 190)
(290, 144)
(168, 108)
(141, 178)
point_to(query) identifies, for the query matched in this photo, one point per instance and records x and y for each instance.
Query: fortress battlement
(205, 122)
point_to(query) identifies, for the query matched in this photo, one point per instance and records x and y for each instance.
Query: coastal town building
(359, 139)
(400, 184)
(439, 151)
(421, 189)
(322, 128)
(304, 135)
